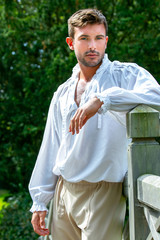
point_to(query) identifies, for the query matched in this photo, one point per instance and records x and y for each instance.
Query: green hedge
(15, 221)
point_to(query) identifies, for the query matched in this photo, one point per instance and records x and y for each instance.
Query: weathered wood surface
(153, 220)
(156, 107)
(143, 157)
(143, 122)
(148, 187)
(148, 191)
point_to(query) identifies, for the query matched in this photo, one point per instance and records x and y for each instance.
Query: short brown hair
(86, 16)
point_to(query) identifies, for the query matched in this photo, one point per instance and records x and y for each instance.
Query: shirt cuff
(38, 207)
(106, 102)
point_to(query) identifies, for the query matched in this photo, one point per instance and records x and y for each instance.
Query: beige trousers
(88, 211)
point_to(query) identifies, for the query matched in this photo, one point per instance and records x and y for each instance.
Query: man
(84, 148)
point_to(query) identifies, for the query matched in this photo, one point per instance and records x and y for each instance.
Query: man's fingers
(82, 119)
(84, 122)
(76, 125)
(85, 112)
(38, 223)
(72, 127)
(42, 219)
(35, 223)
(73, 123)
(77, 121)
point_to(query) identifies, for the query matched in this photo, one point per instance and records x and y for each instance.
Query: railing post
(143, 158)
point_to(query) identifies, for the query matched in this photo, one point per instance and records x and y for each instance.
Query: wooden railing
(142, 183)
(143, 127)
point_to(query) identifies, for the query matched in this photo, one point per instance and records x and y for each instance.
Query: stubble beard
(90, 63)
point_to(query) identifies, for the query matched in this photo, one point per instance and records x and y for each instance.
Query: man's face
(89, 44)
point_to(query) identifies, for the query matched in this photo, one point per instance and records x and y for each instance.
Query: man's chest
(80, 89)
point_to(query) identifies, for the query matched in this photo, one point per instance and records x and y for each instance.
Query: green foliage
(35, 60)
(33, 65)
(16, 221)
(3, 203)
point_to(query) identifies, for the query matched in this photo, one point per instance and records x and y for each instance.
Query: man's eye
(84, 38)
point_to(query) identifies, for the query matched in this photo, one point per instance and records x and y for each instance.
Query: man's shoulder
(62, 88)
(64, 85)
(117, 65)
(125, 69)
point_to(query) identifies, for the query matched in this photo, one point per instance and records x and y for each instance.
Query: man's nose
(92, 45)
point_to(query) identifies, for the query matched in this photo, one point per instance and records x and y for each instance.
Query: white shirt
(99, 151)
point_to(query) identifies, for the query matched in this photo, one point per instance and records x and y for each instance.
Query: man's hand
(38, 223)
(83, 113)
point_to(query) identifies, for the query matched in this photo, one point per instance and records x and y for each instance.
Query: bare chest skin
(80, 88)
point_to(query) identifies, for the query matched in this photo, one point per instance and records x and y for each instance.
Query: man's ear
(106, 41)
(69, 41)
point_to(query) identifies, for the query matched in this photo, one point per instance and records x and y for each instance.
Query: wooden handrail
(143, 127)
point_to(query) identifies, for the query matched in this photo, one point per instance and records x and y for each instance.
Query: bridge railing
(143, 127)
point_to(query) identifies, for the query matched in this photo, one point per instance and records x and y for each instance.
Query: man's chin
(91, 63)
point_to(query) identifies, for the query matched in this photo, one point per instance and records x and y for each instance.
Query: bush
(15, 219)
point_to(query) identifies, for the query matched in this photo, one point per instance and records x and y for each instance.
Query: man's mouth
(92, 54)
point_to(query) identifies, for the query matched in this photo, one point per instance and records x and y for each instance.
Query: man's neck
(86, 73)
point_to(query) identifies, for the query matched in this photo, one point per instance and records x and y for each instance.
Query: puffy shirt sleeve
(43, 181)
(137, 86)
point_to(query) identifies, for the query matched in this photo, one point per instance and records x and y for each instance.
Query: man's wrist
(99, 103)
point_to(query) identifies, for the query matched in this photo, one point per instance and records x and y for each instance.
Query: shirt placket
(68, 111)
